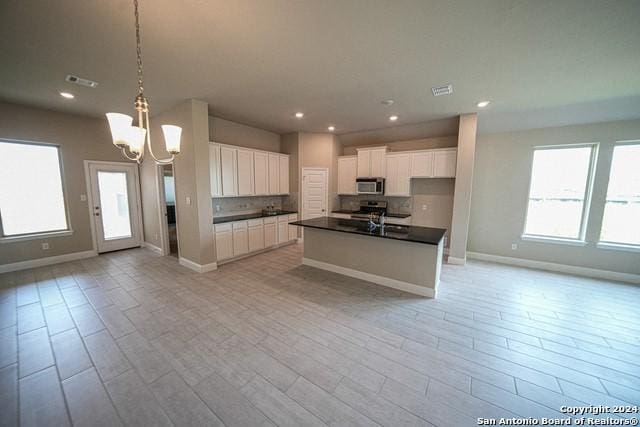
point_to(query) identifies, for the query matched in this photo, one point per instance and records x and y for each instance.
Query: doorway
(115, 205)
(168, 207)
(315, 184)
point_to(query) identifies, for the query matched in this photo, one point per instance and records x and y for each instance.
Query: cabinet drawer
(239, 225)
(271, 220)
(223, 227)
(293, 217)
(255, 222)
(283, 218)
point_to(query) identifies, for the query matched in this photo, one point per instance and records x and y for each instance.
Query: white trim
(456, 261)
(40, 262)
(561, 268)
(326, 188)
(618, 247)
(152, 248)
(197, 267)
(36, 236)
(552, 240)
(380, 280)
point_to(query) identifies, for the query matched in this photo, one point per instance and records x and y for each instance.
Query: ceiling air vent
(80, 81)
(442, 90)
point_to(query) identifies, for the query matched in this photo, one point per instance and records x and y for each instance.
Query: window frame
(606, 244)
(588, 193)
(41, 234)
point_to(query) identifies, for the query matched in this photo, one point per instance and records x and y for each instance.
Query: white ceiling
(540, 62)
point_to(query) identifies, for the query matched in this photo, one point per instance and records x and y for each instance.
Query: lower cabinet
(240, 238)
(293, 229)
(256, 235)
(283, 229)
(270, 232)
(224, 241)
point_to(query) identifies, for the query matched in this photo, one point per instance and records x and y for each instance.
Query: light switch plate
(514, 246)
(45, 246)
(188, 200)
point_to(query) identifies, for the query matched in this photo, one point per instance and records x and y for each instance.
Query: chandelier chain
(138, 47)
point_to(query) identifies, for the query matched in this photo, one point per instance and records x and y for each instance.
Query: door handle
(97, 214)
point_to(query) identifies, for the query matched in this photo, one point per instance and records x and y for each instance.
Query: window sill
(36, 236)
(557, 241)
(618, 247)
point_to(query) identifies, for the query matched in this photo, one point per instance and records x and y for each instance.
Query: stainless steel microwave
(370, 185)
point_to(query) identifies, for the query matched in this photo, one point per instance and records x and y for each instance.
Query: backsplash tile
(225, 206)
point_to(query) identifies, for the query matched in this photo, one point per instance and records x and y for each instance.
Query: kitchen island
(408, 258)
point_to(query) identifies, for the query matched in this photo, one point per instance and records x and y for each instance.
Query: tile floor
(133, 338)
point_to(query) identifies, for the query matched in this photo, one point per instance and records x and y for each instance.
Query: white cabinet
(256, 235)
(274, 174)
(261, 173)
(372, 162)
(444, 163)
(340, 215)
(270, 232)
(240, 238)
(283, 228)
(224, 241)
(398, 181)
(283, 171)
(422, 164)
(215, 170)
(293, 229)
(245, 173)
(347, 171)
(228, 162)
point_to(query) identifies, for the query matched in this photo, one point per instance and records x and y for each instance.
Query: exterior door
(314, 193)
(115, 205)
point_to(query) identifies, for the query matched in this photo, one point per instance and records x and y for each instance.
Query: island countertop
(408, 233)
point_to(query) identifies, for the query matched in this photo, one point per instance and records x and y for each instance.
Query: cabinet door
(224, 245)
(444, 164)
(391, 182)
(347, 171)
(240, 239)
(228, 161)
(256, 238)
(364, 163)
(214, 170)
(378, 163)
(403, 176)
(283, 231)
(270, 234)
(274, 174)
(245, 173)
(284, 175)
(261, 173)
(422, 164)
(293, 229)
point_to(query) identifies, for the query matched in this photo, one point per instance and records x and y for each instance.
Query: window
(561, 179)
(621, 220)
(31, 195)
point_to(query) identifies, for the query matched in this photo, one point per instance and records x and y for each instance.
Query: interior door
(314, 193)
(115, 205)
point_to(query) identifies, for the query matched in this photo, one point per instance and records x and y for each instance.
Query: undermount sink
(271, 212)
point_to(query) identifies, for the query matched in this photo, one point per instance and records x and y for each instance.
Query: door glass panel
(114, 202)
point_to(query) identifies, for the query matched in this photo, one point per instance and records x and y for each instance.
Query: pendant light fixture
(134, 138)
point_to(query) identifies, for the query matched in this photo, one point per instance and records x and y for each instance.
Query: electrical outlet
(83, 197)
(188, 200)
(514, 246)
(45, 246)
(217, 208)
(424, 207)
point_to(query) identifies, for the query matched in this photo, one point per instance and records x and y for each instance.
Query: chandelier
(133, 138)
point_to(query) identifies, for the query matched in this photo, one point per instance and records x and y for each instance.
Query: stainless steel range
(370, 209)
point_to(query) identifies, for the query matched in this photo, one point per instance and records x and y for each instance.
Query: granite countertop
(408, 233)
(256, 215)
(390, 215)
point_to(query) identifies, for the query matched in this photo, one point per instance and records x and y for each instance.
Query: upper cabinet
(236, 171)
(439, 163)
(398, 181)
(372, 162)
(347, 171)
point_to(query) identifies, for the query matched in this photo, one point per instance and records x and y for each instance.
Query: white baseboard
(40, 262)
(560, 268)
(153, 248)
(456, 261)
(380, 280)
(197, 267)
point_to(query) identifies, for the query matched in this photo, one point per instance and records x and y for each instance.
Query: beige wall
(321, 150)
(500, 190)
(413, 144)
(80, 138)
(191, 175)
(228, 132)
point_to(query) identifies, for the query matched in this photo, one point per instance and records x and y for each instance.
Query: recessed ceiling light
(67, 95)
(393, 118)
(299, 114)
(388, 102)
(331, 128)
(483, 104)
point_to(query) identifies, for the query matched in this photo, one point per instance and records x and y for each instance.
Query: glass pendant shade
(119, 124)
(172, 138)
(136, 137)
